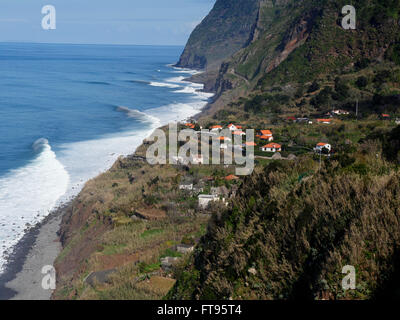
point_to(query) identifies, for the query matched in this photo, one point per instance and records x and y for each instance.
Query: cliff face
(285, 41)
(223, 32)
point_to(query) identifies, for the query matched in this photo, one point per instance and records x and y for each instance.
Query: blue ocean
(67, 112)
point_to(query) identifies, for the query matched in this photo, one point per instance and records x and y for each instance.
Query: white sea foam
(28, 194)
(163, 84)
(184, 70)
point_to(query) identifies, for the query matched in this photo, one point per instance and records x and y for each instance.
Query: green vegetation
(298, 225)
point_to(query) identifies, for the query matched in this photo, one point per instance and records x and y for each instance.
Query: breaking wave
(28, 194)
(139, 115)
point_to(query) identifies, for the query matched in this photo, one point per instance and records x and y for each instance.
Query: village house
(302, 120)
(322, 145)
(232, 127)
(216, 128)
(271, 147)
(168, 262)
(266, 135)
(190, 125)
(205, 199)
(238, 133)
(340, 112)
(324, 121)
(184, 248)
(385, 116)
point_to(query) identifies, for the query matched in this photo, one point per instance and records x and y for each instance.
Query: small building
(168, 262)
(385, 116)
(190, 125)
(216, 128)
(302, 120)
(266, 135)
(291, 119)
(340, 112)
(205, 199)
(324, 121)
(238, 133)
(232, 127)
(322, 145)
(184, 248)
(267, 138)
(271, 147)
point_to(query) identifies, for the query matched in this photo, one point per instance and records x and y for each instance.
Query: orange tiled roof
(216, 127)
(266, 132)
(231, 177)
(324, 120)
(250, 144)
(272, 145)
(321, 144)
(237, 132)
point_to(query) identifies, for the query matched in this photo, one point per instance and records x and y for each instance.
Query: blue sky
(162, 22)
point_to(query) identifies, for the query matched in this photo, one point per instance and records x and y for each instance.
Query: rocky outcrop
(225, 30)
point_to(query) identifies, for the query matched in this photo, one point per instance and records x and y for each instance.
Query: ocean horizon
(68, 111)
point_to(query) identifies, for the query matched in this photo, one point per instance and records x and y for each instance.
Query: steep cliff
(223, 32)
(290, 43)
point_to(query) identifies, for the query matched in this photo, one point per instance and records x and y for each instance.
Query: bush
(362, 82)
(313, 87)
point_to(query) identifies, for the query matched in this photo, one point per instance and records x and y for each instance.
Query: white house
(205, 199)
(340, 112)
(232, 127)
(271, 147)
(321, 145)
(239, 133)
(216, 128)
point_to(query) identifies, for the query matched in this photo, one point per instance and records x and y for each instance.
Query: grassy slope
(298, 226)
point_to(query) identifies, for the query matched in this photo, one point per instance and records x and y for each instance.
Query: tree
(313, 87)
(362, 82)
